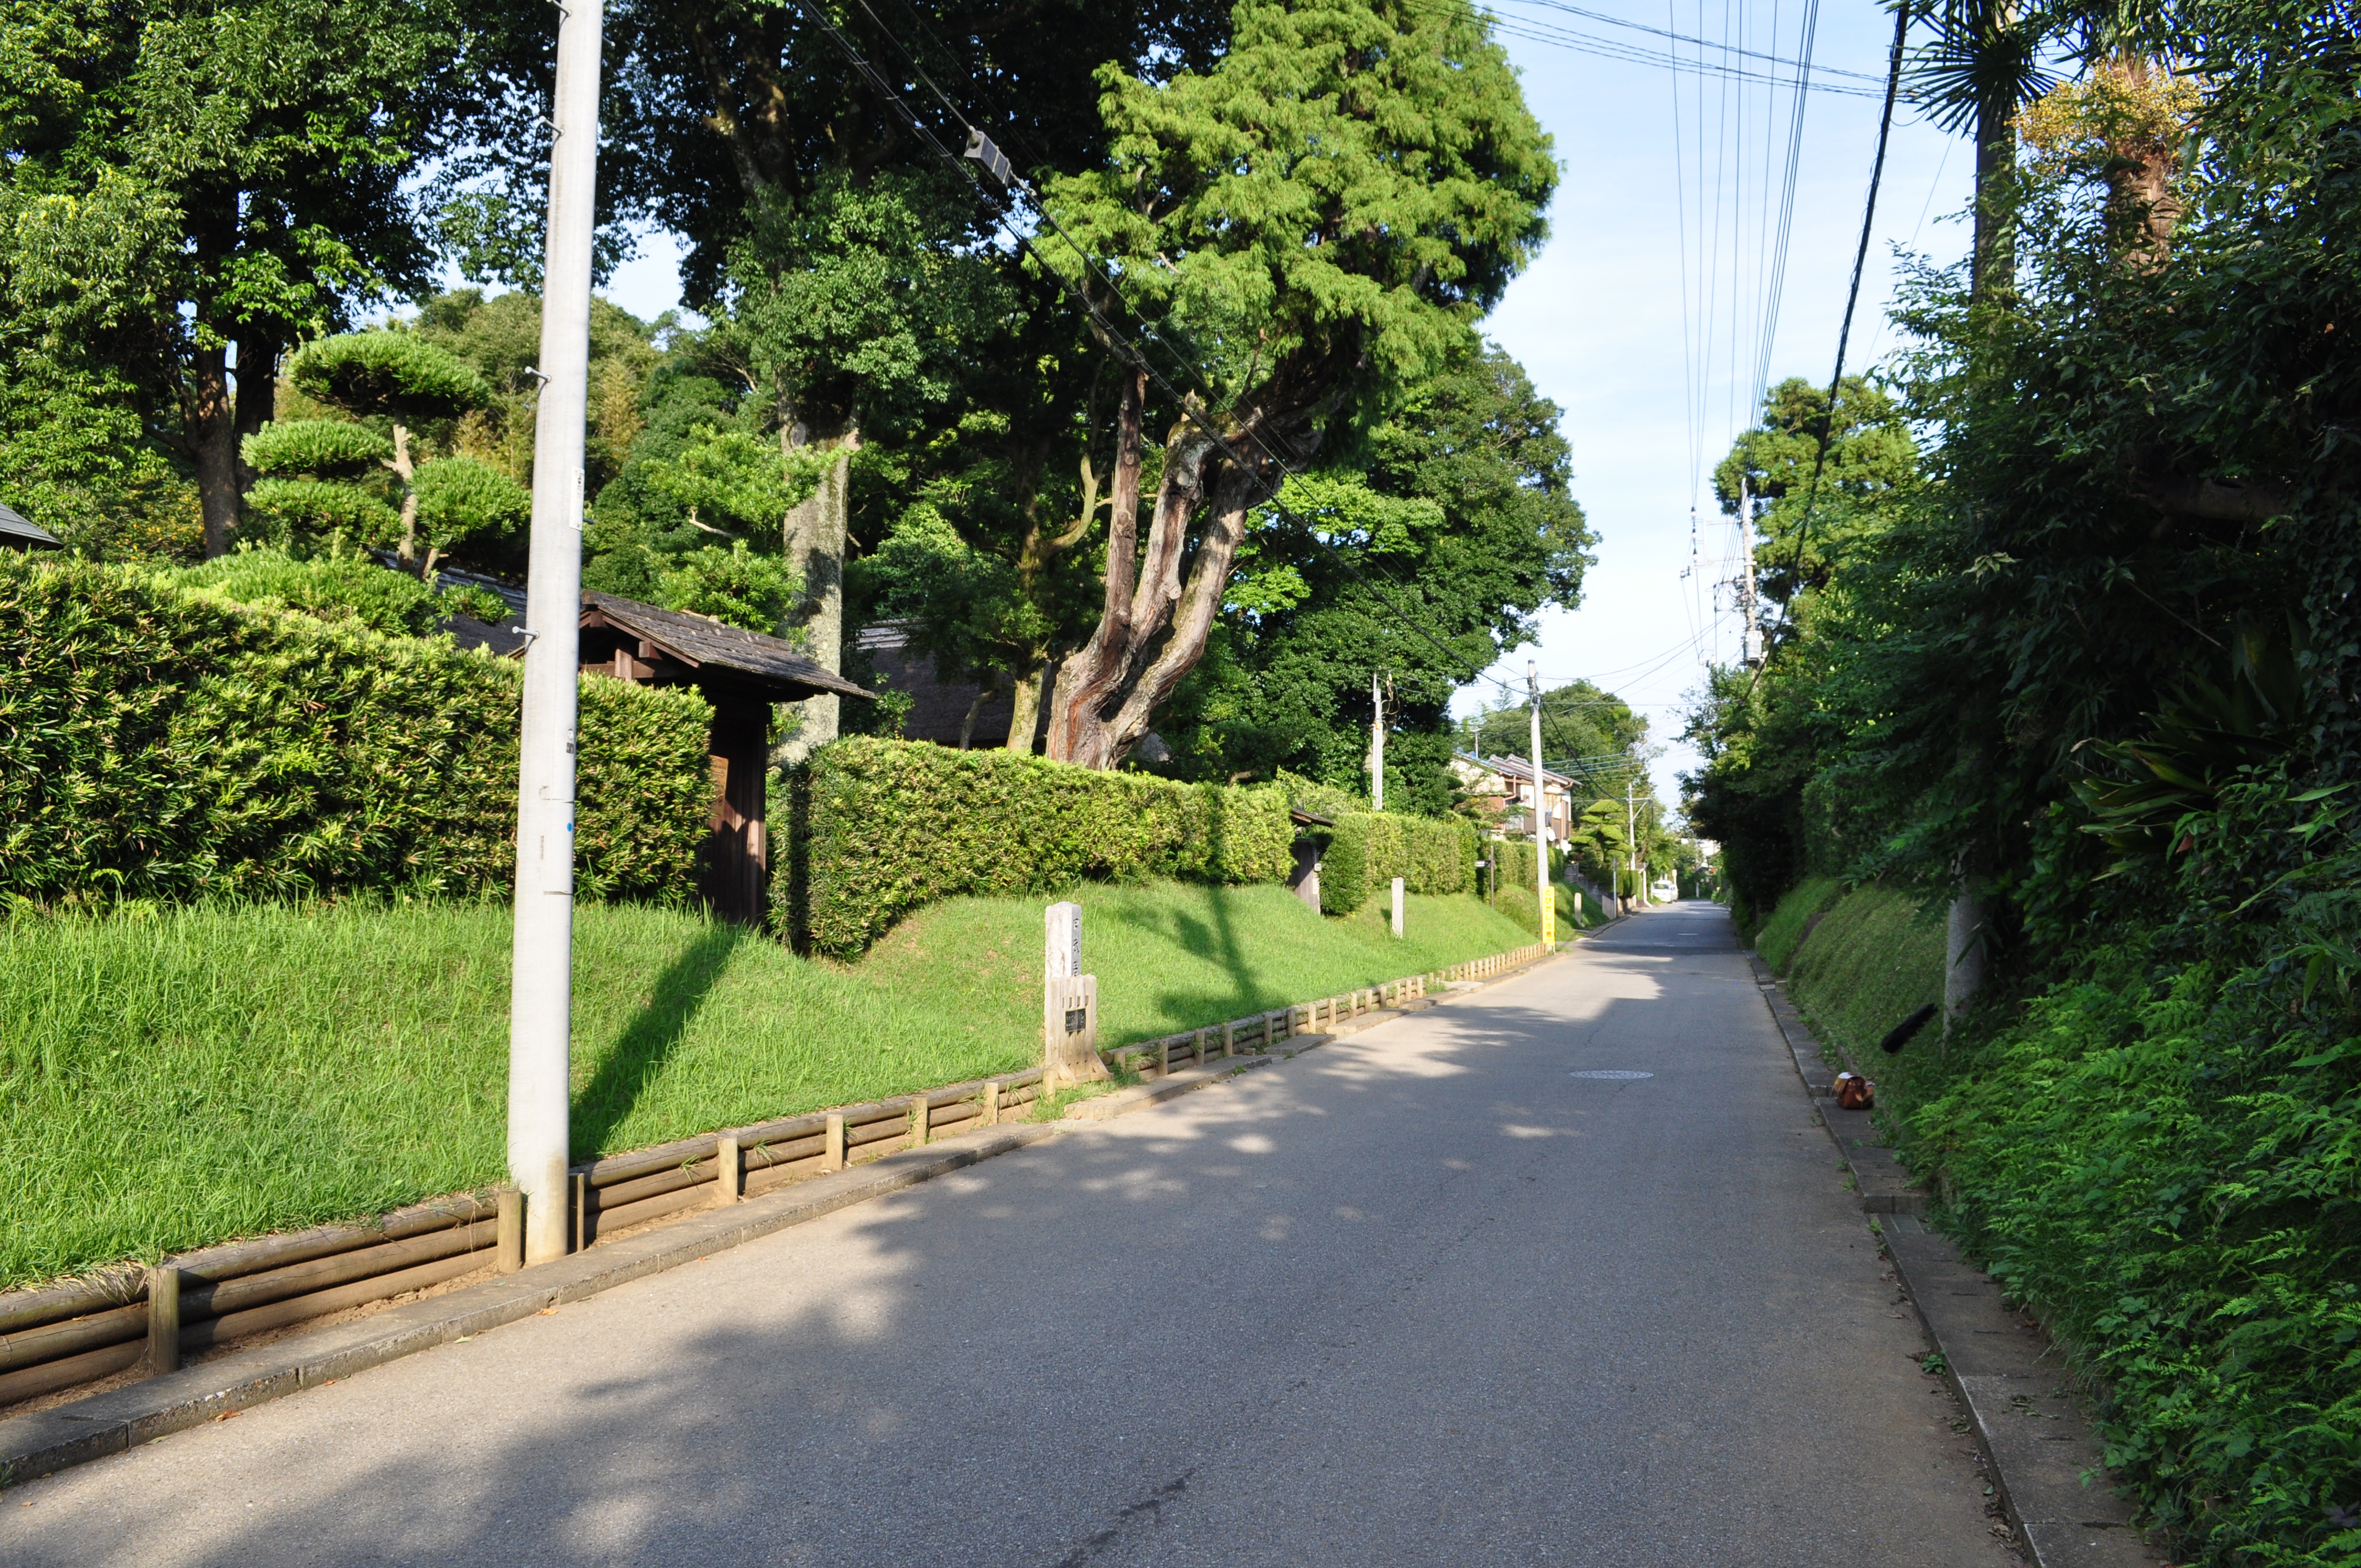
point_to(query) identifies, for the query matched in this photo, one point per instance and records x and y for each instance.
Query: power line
(1853, 295)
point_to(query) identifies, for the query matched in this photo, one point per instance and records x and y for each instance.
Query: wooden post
(1229, 1040)
(1071, 1053)
(508, 1230)
(832, 1150)
(728, 1173)
(988, 1104)
(1164, 1057)
(922, 1120)
(583, 1230)
(163, 1320)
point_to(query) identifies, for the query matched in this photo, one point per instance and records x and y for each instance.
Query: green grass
(169, 1080)
(1872, 960)
(1779, 936)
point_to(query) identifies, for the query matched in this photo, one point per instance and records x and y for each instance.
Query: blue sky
(1650, 233)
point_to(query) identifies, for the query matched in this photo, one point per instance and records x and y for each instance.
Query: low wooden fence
(57, 1336)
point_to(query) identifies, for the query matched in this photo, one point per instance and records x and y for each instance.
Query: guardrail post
(508, 1230)
(728, 1173)
(831, 1156)
(163, 1320)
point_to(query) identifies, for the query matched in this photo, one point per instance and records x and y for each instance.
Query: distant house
(1505, 785)
(18, 534)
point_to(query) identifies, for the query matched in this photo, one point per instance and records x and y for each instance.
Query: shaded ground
(1424, 1296)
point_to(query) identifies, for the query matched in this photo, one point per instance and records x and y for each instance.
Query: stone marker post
(1070, 1004)
(1397, 906)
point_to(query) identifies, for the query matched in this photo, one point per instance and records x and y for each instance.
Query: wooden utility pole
(1377, 743)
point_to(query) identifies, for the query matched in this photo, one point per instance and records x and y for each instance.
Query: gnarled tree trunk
(1153, 627)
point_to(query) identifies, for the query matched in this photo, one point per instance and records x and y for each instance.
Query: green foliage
(733, 586)
(315, 448)
(878, 829)
(461, 499)
(1784, 932)
(389, 374)
(296, 513)
(1261, 207)
(1368, 849)
(337, 588)
(181, 180)
(1870, 453)
(162, 743)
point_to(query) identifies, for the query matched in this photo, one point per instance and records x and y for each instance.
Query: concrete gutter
(2016, 1387)
(44, 1441)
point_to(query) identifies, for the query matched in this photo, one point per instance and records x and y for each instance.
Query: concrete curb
(2018, 1394)
(1156, 1092)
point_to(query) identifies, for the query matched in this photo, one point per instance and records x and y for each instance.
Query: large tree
(190, 188)
(1319, 217)
(1425, 560)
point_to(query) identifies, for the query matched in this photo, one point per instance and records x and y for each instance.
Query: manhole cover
(1618, 1074)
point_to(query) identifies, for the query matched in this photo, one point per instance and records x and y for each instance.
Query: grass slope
(1871, 962)
(1778, 936)
(173, 1079)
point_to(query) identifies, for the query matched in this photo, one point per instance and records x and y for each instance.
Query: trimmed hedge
(157, 743)
(1369, 849)
(876, 828)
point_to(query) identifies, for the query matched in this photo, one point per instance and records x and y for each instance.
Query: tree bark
(406, 471)
(1025, 716)
(257, 397)
(814, 533)
(212, 426)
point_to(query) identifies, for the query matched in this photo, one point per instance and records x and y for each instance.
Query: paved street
(1424, 1296)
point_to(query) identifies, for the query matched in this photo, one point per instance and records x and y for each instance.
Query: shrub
(159, 742)
(876, 828)
(338, 588)
(1368, 849)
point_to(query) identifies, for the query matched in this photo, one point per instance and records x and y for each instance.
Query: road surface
(1424, 1296)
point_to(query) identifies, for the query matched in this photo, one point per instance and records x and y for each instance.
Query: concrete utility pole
(1376, 743)
(1632, 832)
(1541, 814)
(1751, 654)
(541, 996)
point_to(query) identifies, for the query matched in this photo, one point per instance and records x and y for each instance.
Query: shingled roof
(18, 532)
(723, 654)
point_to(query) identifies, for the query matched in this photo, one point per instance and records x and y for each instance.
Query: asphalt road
(1424, 1296)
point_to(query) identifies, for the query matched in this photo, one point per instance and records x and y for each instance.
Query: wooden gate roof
(679, 648)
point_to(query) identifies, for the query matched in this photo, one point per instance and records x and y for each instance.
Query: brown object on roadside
(1854, 1092)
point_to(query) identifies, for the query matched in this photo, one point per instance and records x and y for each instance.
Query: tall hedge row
(1368, 849)
(876, 828)
(164, 743)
